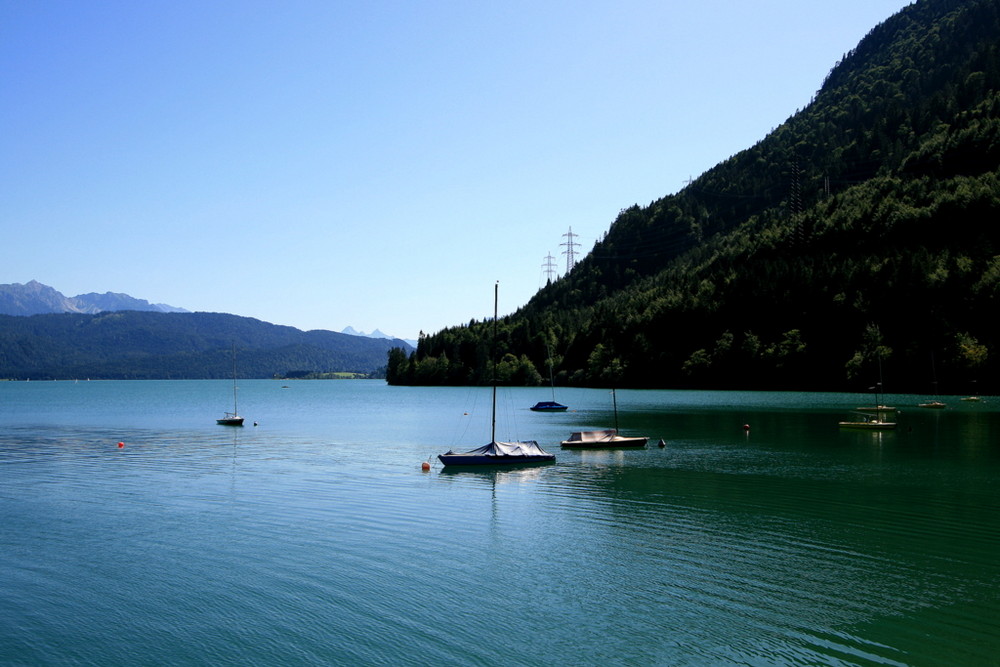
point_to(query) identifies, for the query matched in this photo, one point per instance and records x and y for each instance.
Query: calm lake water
(314, 538)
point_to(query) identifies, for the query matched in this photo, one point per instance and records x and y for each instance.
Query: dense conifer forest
(860, 239)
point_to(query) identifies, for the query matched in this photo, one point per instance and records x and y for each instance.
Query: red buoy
(746, 427)
(425, 466)
(120, 445)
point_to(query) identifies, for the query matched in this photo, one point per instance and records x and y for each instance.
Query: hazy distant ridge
(151, 345)
(351, 331)
(46, 335)
(34, 298)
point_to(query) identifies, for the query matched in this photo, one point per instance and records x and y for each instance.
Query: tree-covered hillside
(862, 233)
(149, 345)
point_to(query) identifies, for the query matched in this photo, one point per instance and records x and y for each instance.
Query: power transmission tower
(549, 267)
(569, 252)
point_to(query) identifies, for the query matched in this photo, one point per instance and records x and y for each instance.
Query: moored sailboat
(873, 417)
(604, 438)
(232, 418)
(498, 453)
(550, 406)
(935, 403)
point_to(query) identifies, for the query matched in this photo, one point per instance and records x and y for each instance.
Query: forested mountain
(149, 345)
(860, 237)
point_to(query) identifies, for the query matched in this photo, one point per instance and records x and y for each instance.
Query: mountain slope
(34, 298)
(860, 233)
(148, 345)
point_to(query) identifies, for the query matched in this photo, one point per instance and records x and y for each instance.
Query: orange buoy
(425, 466)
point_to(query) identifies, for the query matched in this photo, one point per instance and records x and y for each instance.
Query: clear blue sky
(328, 163)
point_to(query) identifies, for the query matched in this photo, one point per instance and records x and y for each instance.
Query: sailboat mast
(493, 425)
(235, 411)
(614, 401)
(552, 379)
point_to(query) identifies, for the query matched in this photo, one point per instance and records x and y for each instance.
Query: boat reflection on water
(494, 475)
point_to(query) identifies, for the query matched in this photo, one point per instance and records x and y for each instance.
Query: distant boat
(875, 423)
(933, 404)
(604, 438)
(974, 397)
(878, 408)
(550, 406)
(497, 453)
(232, 418)
(870, 424)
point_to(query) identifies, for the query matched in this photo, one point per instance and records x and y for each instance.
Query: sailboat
(550, 406)
(497, 453)
(875, 422)
(232, 418)
(935, 403)
(605, 438)
(974, 397)
(878, 409)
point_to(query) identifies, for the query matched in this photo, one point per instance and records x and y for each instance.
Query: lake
(314, 537)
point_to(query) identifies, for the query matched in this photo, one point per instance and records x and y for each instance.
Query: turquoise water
(314, 538)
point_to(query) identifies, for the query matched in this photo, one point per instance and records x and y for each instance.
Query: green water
(314, 538)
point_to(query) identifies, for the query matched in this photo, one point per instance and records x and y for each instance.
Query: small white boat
(880, 409)
(870, 425)
(933, 404)
(602, 439)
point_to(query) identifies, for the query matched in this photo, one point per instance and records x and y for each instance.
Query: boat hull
(499, 454)
(477, 460)
(607, 439)
(230, 421)
(869, 426)
(549, 406)
(617, 443)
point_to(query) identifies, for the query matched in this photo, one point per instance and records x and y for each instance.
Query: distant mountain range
(351, 331)
(45, 335)
(34, 298)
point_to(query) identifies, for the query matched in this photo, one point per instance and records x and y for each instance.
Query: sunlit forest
(856, 243)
